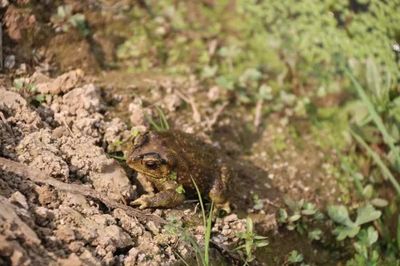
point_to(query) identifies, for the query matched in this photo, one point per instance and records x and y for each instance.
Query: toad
(174, 163)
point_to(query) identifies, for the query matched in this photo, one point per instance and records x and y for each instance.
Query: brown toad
(172, 161)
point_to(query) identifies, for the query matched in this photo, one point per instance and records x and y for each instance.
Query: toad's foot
(167, 198)
(143, 201)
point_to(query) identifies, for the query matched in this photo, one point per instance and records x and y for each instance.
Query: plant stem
(385, 170)
(203, 212)
(207, 235)
(387, 138)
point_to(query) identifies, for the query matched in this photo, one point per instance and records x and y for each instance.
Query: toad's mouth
(147, 173)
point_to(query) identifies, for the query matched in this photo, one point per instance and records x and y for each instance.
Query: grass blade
(163, 120)
(398, 233)
(153, 124)
(162, 125)
(207, 236)
(201, 201)
(385, 170)
(181, 258)
(204, 260)
(387, 138)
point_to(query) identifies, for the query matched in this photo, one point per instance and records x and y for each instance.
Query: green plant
(162, 125)
(23, 87)
(365, 255)
(386, 172)
(295, 257)
(387, 138)
(346, 227)
(29, 91)
(207, 223)
(398, 233)
(175, 227)
(301, 214)
(251, 240)
(64, 19)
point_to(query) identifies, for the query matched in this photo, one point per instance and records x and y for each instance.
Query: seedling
(251, 240)
(295, 257)
(346, 227)
(64, 19)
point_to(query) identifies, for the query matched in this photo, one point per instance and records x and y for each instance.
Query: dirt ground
(65, 109)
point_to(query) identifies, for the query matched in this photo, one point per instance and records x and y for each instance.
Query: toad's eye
(151, 164)
(152, 160)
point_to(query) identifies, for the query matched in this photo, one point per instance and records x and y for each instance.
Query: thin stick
(39, 177)
(189, 100)
(211, 123)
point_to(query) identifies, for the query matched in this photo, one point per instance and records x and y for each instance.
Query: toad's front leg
(169, 196)
(219, 190)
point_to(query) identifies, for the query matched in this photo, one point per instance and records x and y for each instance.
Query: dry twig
(211, 122)
(190, 100)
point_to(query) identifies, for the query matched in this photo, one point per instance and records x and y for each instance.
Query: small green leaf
(293, 204)
(315, 234)
(135, 132)
(367, 214)
(367, 237)
(249, 224)
(172, 175)
(378, 202)
(294, 218)
(40, 98)
(308, 212)
(343, 232)
(282, 215)
(262, 244)
(340, 215)
(372, 235)
(309, 209)
(295, 257)
(290, 227)
(368, 191)
(180, 190)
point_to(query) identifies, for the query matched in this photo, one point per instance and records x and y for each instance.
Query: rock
(172, 102)
(12, 250)
(9, 61)
(19, 199)
(61, 84)
(138, 114)
(72, 259)
(116, 132)
(19, 228)
(152, 227)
